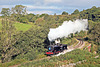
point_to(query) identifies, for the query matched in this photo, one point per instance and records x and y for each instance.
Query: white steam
(67, 28)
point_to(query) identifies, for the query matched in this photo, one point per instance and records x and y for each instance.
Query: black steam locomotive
(55, 49)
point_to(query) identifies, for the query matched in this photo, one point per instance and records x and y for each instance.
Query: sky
(50, 6)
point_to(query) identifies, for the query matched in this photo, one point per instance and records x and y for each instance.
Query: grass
(13, 62)
(20, 26)
(93, 62)
(71, 57)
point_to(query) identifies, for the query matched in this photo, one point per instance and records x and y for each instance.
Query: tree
(94, 33)
(33, 39)
(64, 13)
(5, 12)
(23, 20)
(7, 40)
(19, 9)
(76, 11)
(29, 17)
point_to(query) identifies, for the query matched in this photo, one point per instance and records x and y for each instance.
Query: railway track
(71, 48)
(79, 44)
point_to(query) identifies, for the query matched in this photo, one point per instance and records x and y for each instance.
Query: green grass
(22, 27)
(93, 62)
(13, 62)
(71, 57)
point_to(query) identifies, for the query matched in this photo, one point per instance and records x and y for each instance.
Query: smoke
(67, 28)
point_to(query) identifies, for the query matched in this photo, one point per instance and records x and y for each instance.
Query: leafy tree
(7, 40)
(5, 12)
(76, 11)
(29, 17)
(23, 19)
(91, 14)
(19, 9)
(94, 33)
(32, 39)
(64, 13)
(42, 15)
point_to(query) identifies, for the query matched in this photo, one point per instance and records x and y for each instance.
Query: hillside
(66, 59)
(20, 26)
(24, 40)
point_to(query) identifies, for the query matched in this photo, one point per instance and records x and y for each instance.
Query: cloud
(40, 12)
(6, 6)
(52, 1)
(81, 3)
(55, 6)
(42, 7)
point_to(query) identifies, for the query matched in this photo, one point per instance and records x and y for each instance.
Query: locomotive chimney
(57, 41)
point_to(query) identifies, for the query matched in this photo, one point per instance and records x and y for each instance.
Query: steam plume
(67, 28)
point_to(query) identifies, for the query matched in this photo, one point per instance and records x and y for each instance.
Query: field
(20, 26)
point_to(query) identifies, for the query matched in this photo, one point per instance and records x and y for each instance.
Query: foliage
(6, 41)
(80, 35)
(71, 57)
(20, 26)
(68, 41)
(19, 9)
(5, 12)
(94, 33)
(64, 13)
(13, 62)
(98, 50)
(91, 14)
(93, 62)
(31, 41)
(75, 12)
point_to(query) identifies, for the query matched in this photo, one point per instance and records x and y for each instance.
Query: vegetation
(76, 11)
(22, 27)
(93, 62)
(69, 41)
(5, 11)
(71, 57)
(7, 40)
(24, 37)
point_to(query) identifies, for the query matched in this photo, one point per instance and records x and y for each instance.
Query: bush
(13, 62)
(71, 57)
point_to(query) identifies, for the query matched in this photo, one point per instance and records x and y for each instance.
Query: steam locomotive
(55, 49)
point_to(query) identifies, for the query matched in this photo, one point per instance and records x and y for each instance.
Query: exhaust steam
(67, 28)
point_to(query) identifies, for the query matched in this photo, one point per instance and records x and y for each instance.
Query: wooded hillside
(24, 36)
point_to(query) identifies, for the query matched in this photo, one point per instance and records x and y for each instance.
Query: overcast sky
(50, 6)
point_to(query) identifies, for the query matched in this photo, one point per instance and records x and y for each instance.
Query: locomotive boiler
(55, 49)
